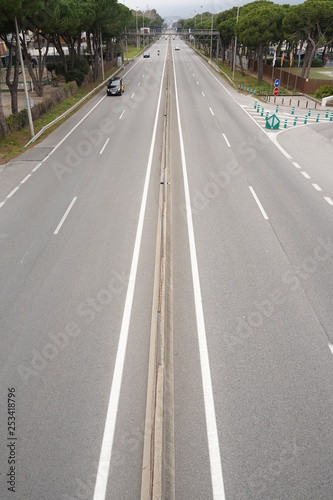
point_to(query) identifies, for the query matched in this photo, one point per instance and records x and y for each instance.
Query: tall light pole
(18, 44)
(195, 18)
(136, 21)
(201, 14)
(233, 69)
(211, 33)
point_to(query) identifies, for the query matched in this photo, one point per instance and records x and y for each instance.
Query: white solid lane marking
(122, 114)
(65, 215)
(296, 164)
(318, 188)
(25, 179)
(13, 192)
(101, 151)
(331, 347)
(329, 200)
(258, 203)
(212, 434)
(305, 175)
(36, 167)
(226, 140)
(106, 450)
(210, 109)
(2, 204)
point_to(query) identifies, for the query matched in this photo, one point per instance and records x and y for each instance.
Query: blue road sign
(277, 82)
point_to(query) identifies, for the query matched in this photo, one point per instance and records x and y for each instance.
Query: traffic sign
(276, 90)
(277, 82)
(273, 122)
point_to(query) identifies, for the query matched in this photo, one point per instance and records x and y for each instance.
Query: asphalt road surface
(252, 247)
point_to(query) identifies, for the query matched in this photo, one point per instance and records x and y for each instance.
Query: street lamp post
(211, 33)
(201, 15)
(195, 18)
(233, 69)
(24, 80)
(136, 21)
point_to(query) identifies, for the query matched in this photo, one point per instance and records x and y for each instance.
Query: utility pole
(233, 69)
(24, 80)
(102, 59)
(136, 20)
(211, 33)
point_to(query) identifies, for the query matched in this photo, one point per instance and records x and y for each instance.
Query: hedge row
(19, 121)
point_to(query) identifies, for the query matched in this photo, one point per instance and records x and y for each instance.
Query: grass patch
(12, 145)
(316, 73)
(248, 80)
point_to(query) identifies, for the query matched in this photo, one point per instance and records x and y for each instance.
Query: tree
(310, 22)
(260, 24)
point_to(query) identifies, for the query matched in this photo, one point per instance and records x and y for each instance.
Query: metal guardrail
(69, 111)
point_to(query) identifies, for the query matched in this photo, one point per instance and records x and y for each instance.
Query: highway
(252, 267)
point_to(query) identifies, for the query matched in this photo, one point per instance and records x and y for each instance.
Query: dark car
(115, 86)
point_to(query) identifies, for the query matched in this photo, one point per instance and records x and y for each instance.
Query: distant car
(177, 48)
(146, 54)
(115, 86)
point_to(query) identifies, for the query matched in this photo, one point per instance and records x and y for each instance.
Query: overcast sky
(187, 8)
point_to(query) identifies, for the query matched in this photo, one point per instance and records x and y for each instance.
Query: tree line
(262, 24)
(62, 22)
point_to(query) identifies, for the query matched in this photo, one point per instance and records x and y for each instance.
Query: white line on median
(37, 167)
(329, 200)
(106, 450)
(65, 215)
(106, 142)
(226, 140)
(13, 192)
(25, 179)
(212, 434)
(258, 203)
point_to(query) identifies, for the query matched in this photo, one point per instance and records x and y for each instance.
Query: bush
(16, 122)
(51, 67)
(324, 91)
(82, 65)
(60, 69)
(75, 75)
(317, 63)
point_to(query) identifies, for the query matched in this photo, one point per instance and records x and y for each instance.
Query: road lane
(62, 305)
(268, 348)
